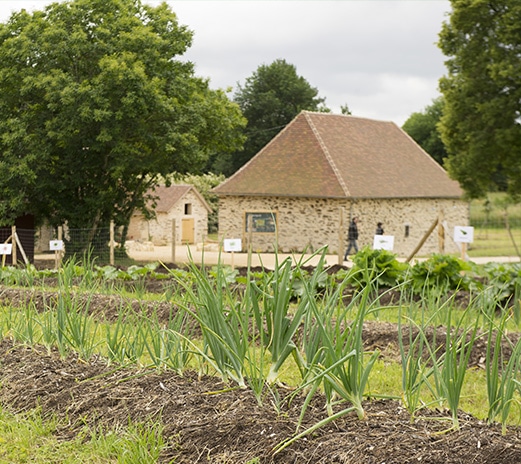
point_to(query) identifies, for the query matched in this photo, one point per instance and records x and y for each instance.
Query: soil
(204, 420)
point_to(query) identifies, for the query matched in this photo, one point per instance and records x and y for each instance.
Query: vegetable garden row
(295, 326)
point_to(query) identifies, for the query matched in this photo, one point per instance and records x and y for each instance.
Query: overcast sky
(377, 56)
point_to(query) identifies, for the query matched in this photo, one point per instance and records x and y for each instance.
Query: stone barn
(182, 203)
(300, 191)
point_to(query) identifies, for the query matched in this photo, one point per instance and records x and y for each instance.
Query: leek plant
(271, 301)
(449, 367)
(166, 344)
(337, 356)
(337, 359)
(415, 371)
(502, 376)
(75, 327)
(224, 323)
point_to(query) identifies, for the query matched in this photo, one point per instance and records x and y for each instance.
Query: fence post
(441, 232)
(57, 254)
(341, 238)
(111, 244)
(173, 240)
(13, 242)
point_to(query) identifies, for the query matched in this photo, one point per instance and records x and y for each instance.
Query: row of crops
(252, 330)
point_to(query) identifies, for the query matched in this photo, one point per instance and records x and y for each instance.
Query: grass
(32, 438)
(494, 242)
(490, 218)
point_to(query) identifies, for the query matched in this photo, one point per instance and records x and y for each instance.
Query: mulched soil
(206, 421)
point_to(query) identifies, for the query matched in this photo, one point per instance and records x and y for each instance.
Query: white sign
(56, 245)
(232, 244)
(463, 234)
(6, 248)
(383, 242)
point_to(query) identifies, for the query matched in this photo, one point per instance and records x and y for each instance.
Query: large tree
(97, 106)
(481, 123)
(270, 98)
(423, 128)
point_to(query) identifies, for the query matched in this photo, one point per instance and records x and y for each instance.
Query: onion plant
(75, 327)
(415, 369)
(502, 375)
(223, 321)
(450, 366)
(270, 300)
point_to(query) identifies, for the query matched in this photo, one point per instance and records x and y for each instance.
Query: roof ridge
(327, 155)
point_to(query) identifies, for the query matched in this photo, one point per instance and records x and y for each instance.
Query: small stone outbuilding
(180, 203)
(300, 191)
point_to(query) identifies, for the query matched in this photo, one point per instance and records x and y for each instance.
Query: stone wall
(310, 223)
(159, 230)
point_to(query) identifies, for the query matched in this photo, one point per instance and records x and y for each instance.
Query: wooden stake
(423, 240)
(441, 233)
(341, 238)
(111, 245)
(13, 253)
(173, 240)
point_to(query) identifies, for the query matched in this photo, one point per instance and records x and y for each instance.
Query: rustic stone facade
(189, 213)
(310, 223)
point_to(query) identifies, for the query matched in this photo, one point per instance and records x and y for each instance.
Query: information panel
(263, 222)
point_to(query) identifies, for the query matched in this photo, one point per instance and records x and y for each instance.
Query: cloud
(378, 56)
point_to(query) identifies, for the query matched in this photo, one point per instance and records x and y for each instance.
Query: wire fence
(102, 246)
(496, 236)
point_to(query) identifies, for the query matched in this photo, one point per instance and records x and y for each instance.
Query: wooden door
(187, 231)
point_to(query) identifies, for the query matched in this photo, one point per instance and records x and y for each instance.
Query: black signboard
(261, 222)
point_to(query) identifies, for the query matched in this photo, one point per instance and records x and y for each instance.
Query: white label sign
(56, 245)
(463, 234)
(6, 248)
(232, 244)
(383, 242)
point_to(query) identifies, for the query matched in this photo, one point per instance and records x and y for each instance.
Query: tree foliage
(97, 107)
(270, 98)
(423, 128)
(481, 123)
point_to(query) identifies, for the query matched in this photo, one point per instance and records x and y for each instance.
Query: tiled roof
(337, 156)
(167, 197)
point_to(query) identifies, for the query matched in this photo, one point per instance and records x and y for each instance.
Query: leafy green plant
(440, 273)
(503, 283)
(384, 269)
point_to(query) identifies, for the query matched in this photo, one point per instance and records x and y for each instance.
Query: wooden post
(173, 240)
(423, 240)
(441, 232)
(57, 253)
(13, 241)
(22, 251)
(341, 237)
(250, 239)
(111, 244)
(463, 251)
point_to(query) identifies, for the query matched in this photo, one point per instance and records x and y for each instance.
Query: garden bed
(204, 422)
(203, 418)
